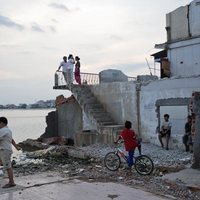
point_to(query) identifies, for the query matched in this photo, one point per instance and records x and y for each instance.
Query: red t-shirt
(129, 138)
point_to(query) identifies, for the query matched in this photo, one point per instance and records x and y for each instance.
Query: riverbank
(91, 167)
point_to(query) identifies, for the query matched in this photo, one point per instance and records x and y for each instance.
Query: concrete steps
(96, 112)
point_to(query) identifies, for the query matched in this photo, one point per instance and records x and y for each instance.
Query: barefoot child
(6, 143)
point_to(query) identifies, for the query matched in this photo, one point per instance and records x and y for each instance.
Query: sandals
(8, 185)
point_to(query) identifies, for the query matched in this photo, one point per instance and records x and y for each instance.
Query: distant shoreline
(27, 108)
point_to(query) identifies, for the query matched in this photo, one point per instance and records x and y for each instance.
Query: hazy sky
(105, 34)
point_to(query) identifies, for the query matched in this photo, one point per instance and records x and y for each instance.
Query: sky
(105, 34)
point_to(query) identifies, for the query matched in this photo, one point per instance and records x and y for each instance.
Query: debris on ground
(87, 163)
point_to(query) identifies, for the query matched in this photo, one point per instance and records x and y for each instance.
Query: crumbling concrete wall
(196, 146)
(87, 124)
(158, 90)
(184, 22)
(119, 99)
(134, 101)
(108, 136)
(69, 119)
(177, 23)
(52, 125)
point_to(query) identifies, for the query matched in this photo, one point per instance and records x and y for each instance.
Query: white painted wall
(194, 18)
(178, 23)
(181, 26)
(183, 51)
(87, 124)
(163, 89)
(178, 115)
(184, 58)
(119, 99)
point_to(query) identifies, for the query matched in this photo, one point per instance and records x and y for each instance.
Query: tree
(196, 147)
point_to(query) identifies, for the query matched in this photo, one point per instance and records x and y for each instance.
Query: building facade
(145, 100)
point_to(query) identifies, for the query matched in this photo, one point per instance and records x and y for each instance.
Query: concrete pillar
(196, 147)
(138, 89)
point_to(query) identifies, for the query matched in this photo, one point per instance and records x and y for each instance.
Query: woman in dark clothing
(77, 70)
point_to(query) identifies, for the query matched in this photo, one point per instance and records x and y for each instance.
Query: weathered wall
(194, 18)
(184, 22)
(52, 125)
(87, 124)
(184, 58)
(177, 22)
(69, 119)
(196, 146)
(112, 75)
(107, 136)
(163, 89)
(119, 99)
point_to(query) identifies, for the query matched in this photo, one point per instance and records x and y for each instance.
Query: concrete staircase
(107, 129)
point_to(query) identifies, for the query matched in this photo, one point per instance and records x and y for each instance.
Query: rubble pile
(87, 163)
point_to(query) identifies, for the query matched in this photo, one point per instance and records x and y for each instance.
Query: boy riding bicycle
(130, 142)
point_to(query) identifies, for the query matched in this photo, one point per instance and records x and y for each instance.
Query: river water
(26, 123)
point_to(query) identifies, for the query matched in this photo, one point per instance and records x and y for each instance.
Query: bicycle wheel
(144, 165)
(112, 161)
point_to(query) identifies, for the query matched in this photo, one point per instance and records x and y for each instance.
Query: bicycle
(143, 164)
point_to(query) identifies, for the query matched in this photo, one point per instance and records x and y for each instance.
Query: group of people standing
(68, 69)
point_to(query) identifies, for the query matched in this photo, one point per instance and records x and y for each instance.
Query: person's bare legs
(167, 141)
(69, 78)
(160, 139)
(10, 176)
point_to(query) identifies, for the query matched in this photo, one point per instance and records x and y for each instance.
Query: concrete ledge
(61, 87)
(190, 177)
(107, 135)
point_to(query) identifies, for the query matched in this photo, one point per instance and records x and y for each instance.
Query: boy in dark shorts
(165, 131)
(6, 142)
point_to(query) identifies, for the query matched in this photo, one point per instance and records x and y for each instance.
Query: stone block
(146, 78)
(112, 75)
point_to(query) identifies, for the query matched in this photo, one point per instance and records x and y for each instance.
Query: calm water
(26, 123)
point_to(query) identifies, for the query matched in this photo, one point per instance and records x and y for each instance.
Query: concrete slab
(190, 177)
(46, 187)
(25, 182)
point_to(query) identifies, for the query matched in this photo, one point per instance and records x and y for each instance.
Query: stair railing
(86, 78)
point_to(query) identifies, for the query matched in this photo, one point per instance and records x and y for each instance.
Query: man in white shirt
(64, 66)
(165, 131)
(6, 142)
(71, 63)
